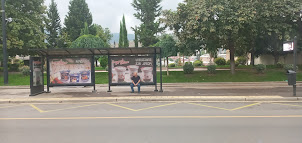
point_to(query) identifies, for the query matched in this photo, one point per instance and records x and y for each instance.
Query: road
(152, 122)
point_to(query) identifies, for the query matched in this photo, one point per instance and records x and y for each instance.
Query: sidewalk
(247, 91)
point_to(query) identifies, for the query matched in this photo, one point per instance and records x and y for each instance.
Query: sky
(109, 13)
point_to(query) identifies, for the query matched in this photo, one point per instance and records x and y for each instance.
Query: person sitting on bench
(135, 82)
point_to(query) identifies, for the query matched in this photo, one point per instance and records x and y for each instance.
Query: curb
(154, 99)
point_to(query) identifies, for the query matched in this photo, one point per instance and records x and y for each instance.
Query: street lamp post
(5, 70)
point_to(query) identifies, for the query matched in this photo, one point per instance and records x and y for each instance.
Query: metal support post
(295, 64)
(5, 68)
(161, 74)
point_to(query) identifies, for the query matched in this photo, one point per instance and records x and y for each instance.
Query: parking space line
(11, 106)
(136, 110)
(35, 107)
(154, 117)
(157, 106)
(246, 106)
(121, 107)
(208, 106)
(287, 104)
(72, 107)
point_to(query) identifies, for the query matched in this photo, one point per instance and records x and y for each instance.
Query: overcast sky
(108, 13)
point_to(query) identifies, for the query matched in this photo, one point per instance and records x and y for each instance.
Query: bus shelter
(75, 67)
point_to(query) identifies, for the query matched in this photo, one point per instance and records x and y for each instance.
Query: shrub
(25, 70)
(280, 65)
(172, 65)
(103, 61)
(220, 61)
(198, 63)
(237, 63)
(1, 69)
(228, 62)
(241, 60)
(13, 67)
(211, 69)
(289, 67)
(260, 68)
(188, 68)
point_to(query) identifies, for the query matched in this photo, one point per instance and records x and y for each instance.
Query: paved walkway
(175, 91)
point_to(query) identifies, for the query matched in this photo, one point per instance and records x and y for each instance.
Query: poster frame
(79, 84)
(36, 90)
(135, 56)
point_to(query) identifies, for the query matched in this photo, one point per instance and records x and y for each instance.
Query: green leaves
(147, 11)
(88, 41)
(53, 25)
(78, 14)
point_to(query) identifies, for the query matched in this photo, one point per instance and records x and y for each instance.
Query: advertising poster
(37, 72)
(122, 69)
(289, 46)
(70, 71)
(36, 76)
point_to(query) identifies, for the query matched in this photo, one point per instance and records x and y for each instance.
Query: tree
(85, 30)
(53, 26)
(77, 16)
(135, 29)
(121, 39)
(26, 30)
(147, 11)
(168, 45)
(104, 34)
(125, 34)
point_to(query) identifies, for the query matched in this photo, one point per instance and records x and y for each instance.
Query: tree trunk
(232, 58)
(252, 59)
(168, 66)
(276, 57)
(96, 63)
(183, 60)
(164, 62)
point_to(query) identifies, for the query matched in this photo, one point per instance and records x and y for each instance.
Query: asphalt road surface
(158, 122)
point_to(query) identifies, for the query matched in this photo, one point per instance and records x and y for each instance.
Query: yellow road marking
(209, 106)
(156, 106)
(154, 117)
(224, 108)
(72, 107)
(121, 107)
(287, 104)
(245, 106)
(135, 110)
(35, 107)
(11, 106)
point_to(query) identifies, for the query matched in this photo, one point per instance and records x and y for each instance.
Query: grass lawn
(180, 77)
(99, 68)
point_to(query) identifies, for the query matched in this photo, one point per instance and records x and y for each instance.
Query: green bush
(220, 61)
(241, 60)
(211, 69)
(198, 63)
(289, 67)
(279, 65)
(228, 62)
(1, 69)
(237, 63)
(260, 68)
(25, 70)
(13, 67)
(172, 65)
(188, 68)
(103, 61)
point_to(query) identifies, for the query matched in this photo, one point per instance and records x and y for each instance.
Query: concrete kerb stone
(151, 99)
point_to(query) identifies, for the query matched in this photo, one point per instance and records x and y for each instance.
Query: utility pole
(295, 64)
(5, 71)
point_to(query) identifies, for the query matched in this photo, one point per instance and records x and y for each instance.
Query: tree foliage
(26, 30)
(238, 26)
(53, 25)
(88, 41)
(125, 34)
(147, 11)
(78, 14)
(121, 42)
